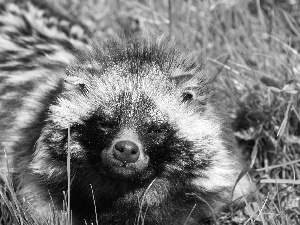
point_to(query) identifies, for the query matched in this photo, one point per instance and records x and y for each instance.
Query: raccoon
(146, 134)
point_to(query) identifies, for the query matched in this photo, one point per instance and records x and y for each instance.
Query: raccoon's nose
(126, 151)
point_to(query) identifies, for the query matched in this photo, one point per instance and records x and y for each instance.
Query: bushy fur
(150, 92)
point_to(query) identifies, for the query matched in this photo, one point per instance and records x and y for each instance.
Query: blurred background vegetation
(251, 48)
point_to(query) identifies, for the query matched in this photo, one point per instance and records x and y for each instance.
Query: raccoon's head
(141, 124)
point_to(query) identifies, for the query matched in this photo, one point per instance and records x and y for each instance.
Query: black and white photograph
(150, 112)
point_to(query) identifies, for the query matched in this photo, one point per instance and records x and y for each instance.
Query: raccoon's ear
(75, 84)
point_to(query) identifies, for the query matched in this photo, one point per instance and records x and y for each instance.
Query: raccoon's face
(124, 125)
(129, 142)
(140, 128)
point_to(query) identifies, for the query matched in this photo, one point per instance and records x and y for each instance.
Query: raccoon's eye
(187, 96)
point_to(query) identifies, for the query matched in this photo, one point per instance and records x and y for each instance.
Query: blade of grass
(69, 175)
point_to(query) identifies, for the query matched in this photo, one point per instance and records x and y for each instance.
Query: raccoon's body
(147, 140)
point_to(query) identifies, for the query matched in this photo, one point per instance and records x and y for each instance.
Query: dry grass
(252, 50)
